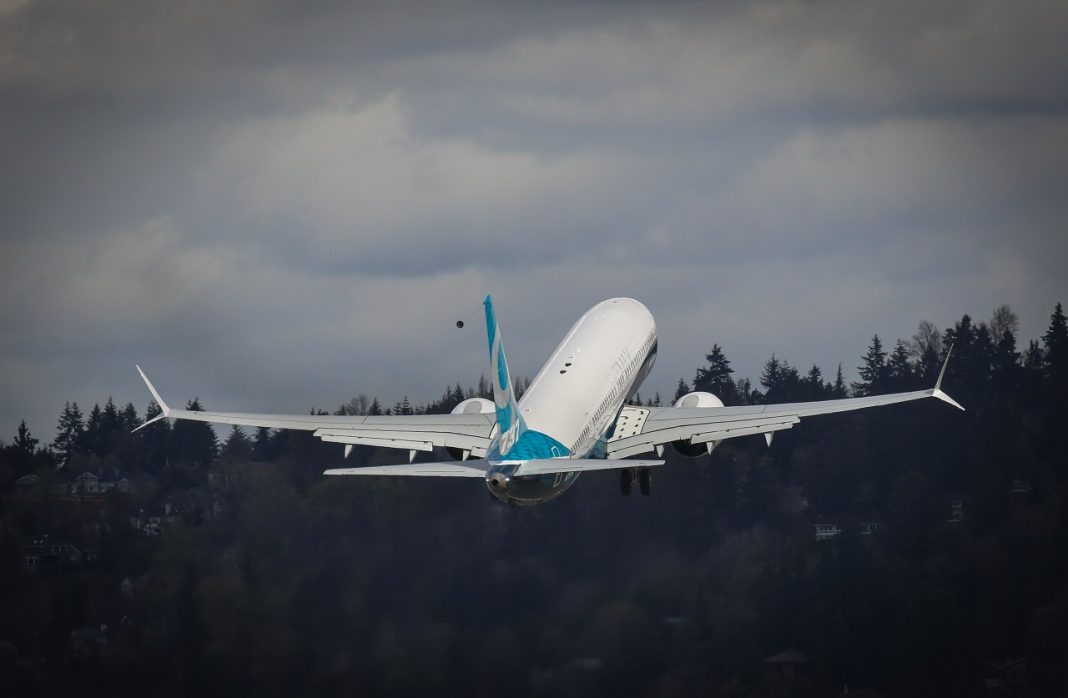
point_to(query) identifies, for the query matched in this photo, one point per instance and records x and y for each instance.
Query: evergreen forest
(910, 550)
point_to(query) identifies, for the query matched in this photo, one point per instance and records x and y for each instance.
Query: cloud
(354, 189)
(276, 206)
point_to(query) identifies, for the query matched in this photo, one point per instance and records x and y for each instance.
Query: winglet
(155, 395)
(938, 384)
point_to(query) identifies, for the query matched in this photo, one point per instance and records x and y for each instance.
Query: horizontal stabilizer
(415, 470)
(549, 466)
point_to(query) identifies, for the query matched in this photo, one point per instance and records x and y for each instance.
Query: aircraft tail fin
(509, 422)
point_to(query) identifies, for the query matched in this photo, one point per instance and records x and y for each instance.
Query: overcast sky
(275, 206)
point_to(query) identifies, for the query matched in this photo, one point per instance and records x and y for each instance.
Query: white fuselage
(579, 392)
(600, 363)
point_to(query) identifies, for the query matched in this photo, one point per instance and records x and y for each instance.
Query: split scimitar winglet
(937, 392)
(159, 401)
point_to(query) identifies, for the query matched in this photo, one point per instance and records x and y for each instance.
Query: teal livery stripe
(509, 421)
(532, 445)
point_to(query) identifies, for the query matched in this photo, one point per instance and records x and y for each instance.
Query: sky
(275, 206)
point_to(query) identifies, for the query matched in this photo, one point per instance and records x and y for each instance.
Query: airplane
(573, 418)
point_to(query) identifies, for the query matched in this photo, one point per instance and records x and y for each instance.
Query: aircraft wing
(643, 429)
(469, 433)
(415, 470)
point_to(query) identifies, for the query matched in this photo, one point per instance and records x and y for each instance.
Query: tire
(645, 481)
(626, 480)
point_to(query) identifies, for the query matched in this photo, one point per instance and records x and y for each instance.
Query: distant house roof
(790, 656)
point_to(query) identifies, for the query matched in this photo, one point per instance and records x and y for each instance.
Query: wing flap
(550, 466)
(414, 470)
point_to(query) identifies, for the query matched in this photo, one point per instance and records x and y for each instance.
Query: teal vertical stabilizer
(510, 423)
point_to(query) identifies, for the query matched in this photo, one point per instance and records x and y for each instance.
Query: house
(45, 554)
(867, 528)
(92, 484)
(956, 510)
(826, 530)
(791, 664)
(89, 640)
(829, 528)
(1008, 677)
(86, 483)
(26, 485)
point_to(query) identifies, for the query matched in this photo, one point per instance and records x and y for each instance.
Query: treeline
(304, 584)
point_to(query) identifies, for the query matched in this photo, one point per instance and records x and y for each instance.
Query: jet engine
(696, 399)
(473, 405)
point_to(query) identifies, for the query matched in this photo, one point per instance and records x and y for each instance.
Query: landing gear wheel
(626, 480)
(645, 481)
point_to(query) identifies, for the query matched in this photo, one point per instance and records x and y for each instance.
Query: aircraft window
(563, 370)
(567, 364)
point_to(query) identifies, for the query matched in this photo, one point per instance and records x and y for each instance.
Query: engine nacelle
(473, 405)
(696, 399)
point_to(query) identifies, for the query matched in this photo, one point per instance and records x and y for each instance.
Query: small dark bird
(460, 324)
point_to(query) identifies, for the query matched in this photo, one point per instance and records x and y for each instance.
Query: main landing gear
(627, 476)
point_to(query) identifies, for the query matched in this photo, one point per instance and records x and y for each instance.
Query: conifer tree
(128, 419)
(263, 445)
(24, 439)
(156, 438)
(70, 432)
(680, 390)
(238, 447)
(839, 389)
(873, 372)
(898, 369)
(1055, 343)
(92, 441)
(715, 378)
(1005, 367)
(814, 388)
(193, 443)
(109, 426)
(782, 381)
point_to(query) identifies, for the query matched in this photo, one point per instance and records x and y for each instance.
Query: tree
(1005, 365)
(898, 368)
(110, 423)
(1056, 344)
(356, 406)
(156, 438)
(92, 441)
(839, 389)
(873, 372)
(128, 419)
(715, 378)
(25, 440)
(375, 409)
(680, 390)
(814, 387)
(70, 432)
(193, 443)
(1003, 320)
(238, 447)
(781, 380)
(925, 347)
(263, 446)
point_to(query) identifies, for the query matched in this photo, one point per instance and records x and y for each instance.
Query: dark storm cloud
(277, 205)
